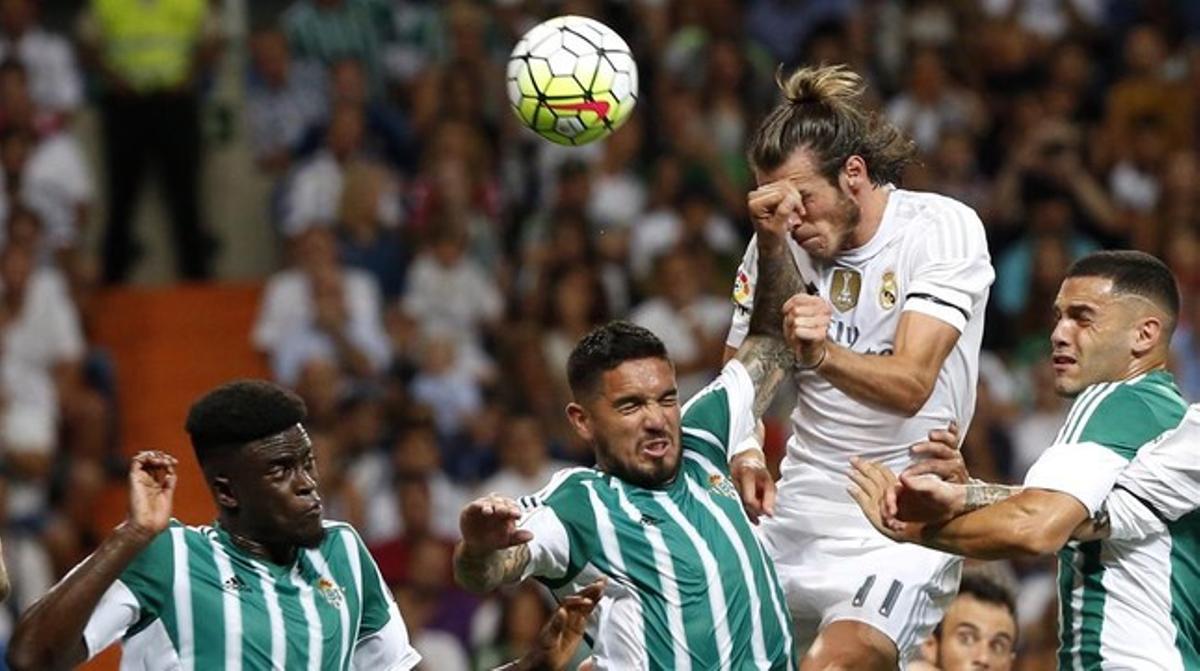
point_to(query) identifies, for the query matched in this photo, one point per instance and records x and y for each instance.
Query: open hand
(490, 523)
(870, 483)
(559, 639)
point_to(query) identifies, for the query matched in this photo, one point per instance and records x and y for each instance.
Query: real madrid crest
(843, 292)
(888, 291)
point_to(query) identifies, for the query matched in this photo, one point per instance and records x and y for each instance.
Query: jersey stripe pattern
(196, 602)
(1128, 603)
(689, 584)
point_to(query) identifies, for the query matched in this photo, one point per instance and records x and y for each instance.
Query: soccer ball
(572, 80)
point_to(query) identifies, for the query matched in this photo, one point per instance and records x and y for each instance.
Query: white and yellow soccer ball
(572, 80)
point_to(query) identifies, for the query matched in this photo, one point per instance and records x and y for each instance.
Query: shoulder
(565, 487)
(933, 213)
(1125, 415)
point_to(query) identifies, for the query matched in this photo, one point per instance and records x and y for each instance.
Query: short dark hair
(988, 588)
(240, 412)
(1133, 272)
(607, 347)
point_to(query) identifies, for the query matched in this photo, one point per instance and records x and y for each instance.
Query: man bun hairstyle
(607, 347)
(240, 412)
(822, 111)
(1136, 273)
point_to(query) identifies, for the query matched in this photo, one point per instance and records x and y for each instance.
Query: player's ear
(222, 491)
(855, 172)
(578, 416)
(1148, 334)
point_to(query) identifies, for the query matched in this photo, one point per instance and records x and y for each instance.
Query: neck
(1147, 364)
(871, 205)
(274, 553)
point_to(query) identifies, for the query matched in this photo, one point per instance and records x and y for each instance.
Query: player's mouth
(314, 510)
(655, 448)
(1062, 362)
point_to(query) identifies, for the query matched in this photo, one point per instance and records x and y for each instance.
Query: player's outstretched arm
(1030, 522)
(50, 634)
(493, 551)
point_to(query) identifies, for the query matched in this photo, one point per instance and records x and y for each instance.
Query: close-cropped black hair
(240, 412)
(1133, 272)
(607, 347)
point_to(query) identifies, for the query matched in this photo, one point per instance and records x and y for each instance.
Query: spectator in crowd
(524, 610)
(58, 86)
(367, 231)
(285, 98)
(931, 105)
(690, 322)
(151, 58)
(320, 309)
(328, 31)
(313, 190)
(525, 460)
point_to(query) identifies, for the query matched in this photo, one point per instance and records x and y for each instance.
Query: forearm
(892, 382)
(50, 634)
(1021, 525)
(483, 572)
(778, 280)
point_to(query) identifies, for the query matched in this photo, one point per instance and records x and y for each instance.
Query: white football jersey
(929, 255)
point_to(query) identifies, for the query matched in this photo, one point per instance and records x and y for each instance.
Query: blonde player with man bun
(887, 347)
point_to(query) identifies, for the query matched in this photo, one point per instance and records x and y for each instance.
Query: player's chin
(308, 535)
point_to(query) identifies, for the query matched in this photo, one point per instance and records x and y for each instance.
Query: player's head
(625, 403)
(1115, 313)
(259, 461)
(979, 630)
(831, 149)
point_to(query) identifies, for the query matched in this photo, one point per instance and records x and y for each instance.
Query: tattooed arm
(493, 551)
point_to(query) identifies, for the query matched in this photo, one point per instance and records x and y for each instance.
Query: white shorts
(900, 589)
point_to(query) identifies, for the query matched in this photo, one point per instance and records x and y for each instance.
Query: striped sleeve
(562, 522)
(383, 641)
(1165, 474)
(137, 598)
(951, 269)
(719, 418)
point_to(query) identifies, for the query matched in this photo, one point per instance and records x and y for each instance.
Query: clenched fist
(775, 209)
(805, 325)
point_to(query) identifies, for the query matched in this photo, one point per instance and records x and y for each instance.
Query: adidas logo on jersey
(235, 585)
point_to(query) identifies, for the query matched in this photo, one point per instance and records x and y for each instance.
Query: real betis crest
(722, 486)
(843, 292)
(331, 591)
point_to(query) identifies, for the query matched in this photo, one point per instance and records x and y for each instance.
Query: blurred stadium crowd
(441, 262)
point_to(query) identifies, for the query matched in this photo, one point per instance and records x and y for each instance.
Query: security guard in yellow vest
(150, 56)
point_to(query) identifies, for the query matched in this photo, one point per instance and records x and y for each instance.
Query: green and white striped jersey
(193, 601)
(1125, 603)
(689, 586)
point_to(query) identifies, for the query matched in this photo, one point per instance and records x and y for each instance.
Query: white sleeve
(116, 612)
(1130, 519)
(1165, 474)
(550, 548)
(743, 295)
(1086, 471)
(951, 269)
(385, 650)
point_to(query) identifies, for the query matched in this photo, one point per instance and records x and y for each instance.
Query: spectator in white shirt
(284, 99)
(687, 320)
(314, 190)
(525, 460)
(448, 292)
(319, 309)
(55, 79)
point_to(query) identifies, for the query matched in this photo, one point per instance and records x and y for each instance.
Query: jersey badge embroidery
(888, 291)
(722, 486)
(331, 591)
(843, 291)
(741, 290)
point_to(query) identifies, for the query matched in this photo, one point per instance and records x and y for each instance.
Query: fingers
(747, 485)
(935, 450)
(496, 507)
(159, 466)
(768, 498)
(520, 537)
(946, 470)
